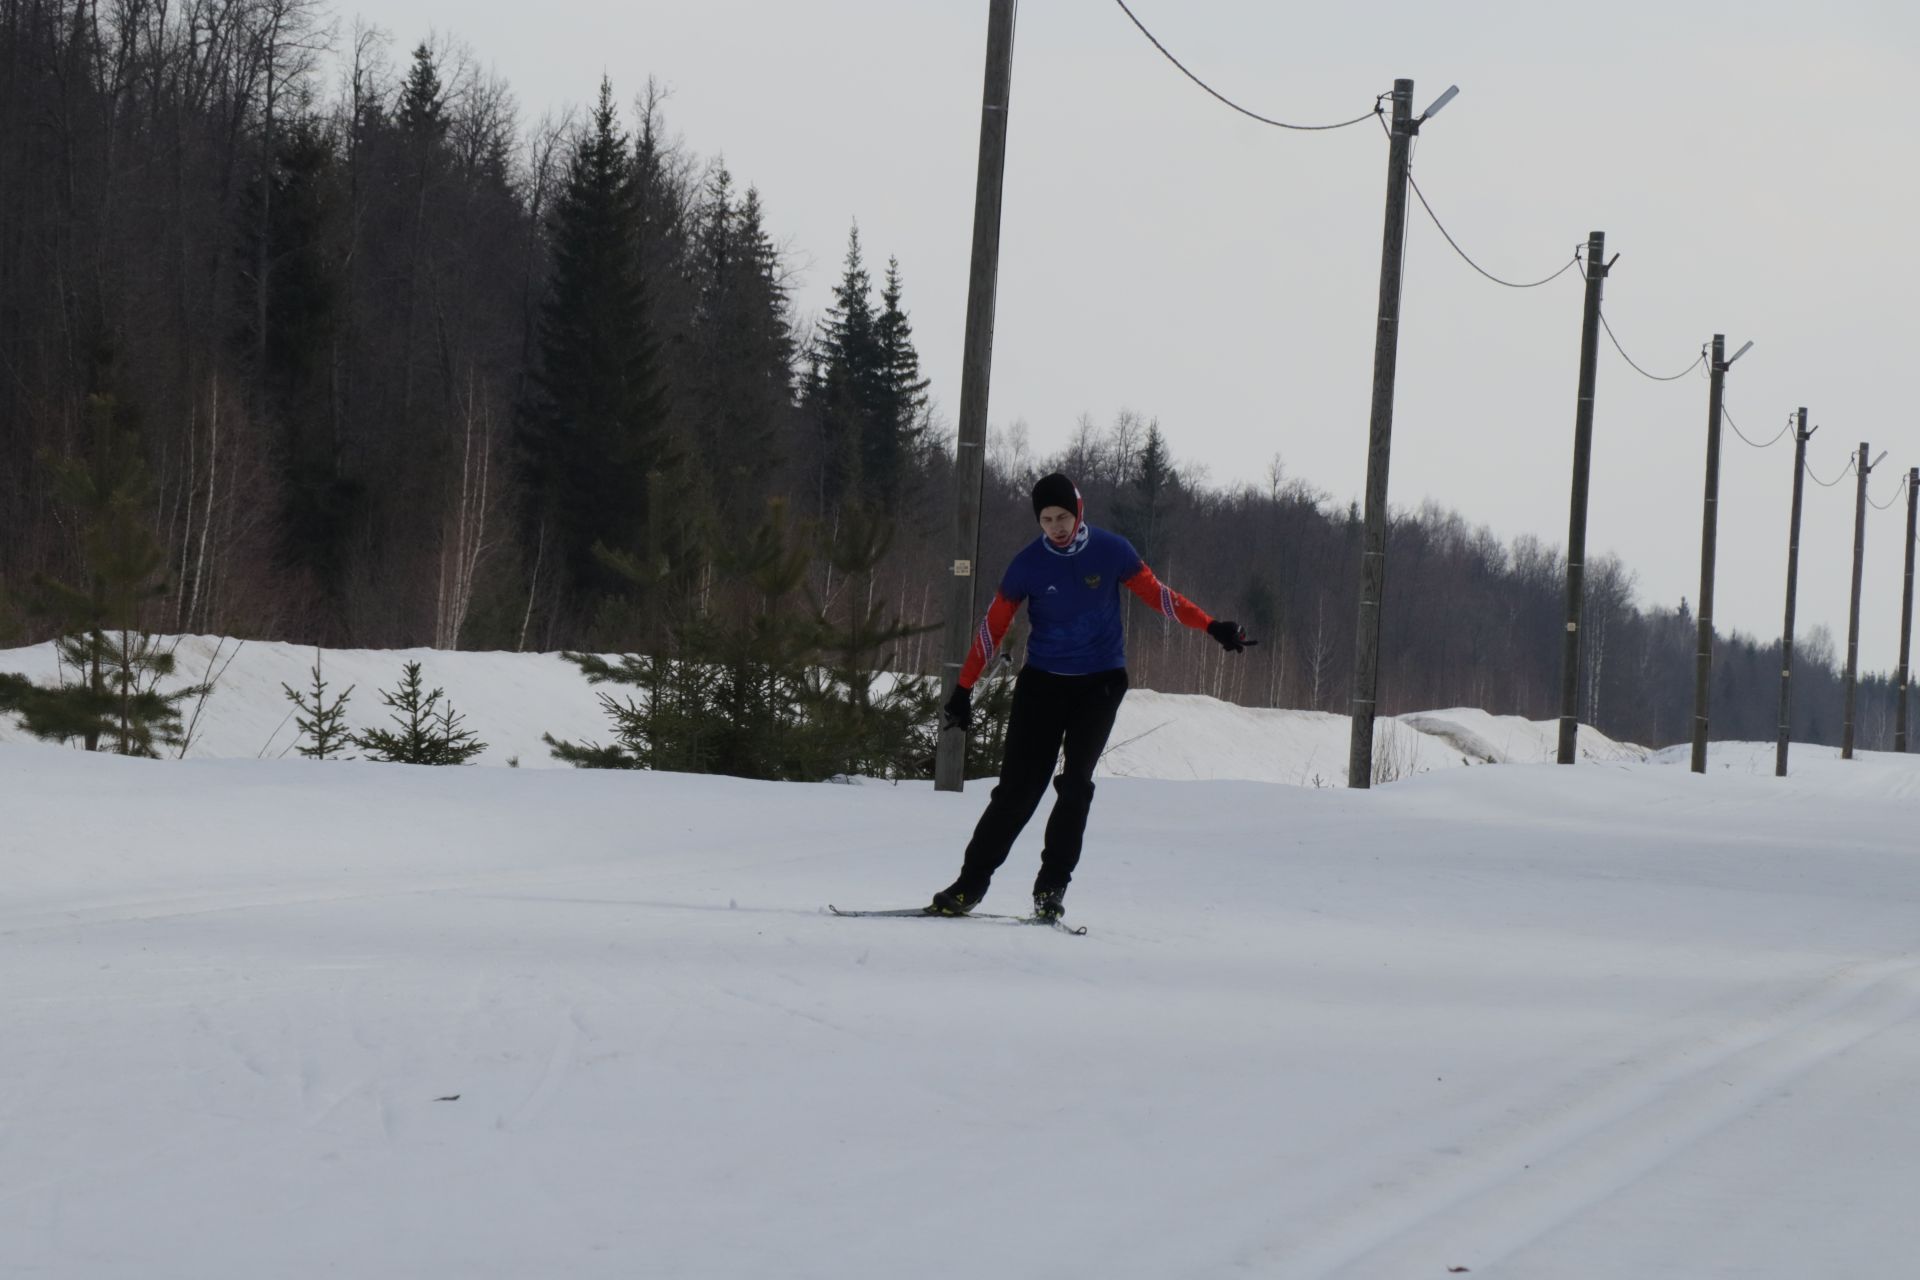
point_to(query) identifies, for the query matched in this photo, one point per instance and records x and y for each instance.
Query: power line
(1743, 435)
(1253, 115)
(1893, 497)
(1441, 227)
(1672, 377)
(1828, 484)
(1470, 262)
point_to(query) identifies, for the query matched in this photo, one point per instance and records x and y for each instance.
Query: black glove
(958, 713)
(1229, 634)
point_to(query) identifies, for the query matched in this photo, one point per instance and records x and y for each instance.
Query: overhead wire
(1252, 115)
(1448, 235)
(1743, 435)
(1828, 484)
(1511, 284)
(1893, 497)
(1654, 377)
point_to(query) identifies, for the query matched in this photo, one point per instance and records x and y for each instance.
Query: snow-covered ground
(275, 1018)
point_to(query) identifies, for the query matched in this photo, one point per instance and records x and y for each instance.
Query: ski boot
(953, 901)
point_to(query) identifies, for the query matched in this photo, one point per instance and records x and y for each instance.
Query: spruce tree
(866, 396)
(305, 319)
(321, 721)
(846, 380)
(898, 424)
(428, 732)
(740, 354)
(1140, 513)
(598, 431)
(9, 618)
(762, 643)
(992, 704)
(115, 698)
(423, 113)
(868, 718)
(725, 694)
(15, 688)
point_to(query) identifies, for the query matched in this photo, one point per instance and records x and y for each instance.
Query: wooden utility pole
(1577, 525)
(950, 757)
(1853, 609)
(1709, 542)
(1386, 356)
(1906, 619)
(1800, 437)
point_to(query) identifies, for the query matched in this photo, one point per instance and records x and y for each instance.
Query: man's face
(1057, 523)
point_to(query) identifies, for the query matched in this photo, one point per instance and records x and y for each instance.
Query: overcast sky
(1748, 162)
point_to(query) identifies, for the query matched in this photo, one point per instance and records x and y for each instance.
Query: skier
(1067, 693)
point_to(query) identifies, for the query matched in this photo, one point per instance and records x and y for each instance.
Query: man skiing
(1068, 692)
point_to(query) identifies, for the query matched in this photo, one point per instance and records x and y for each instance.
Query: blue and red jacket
(1072, 595)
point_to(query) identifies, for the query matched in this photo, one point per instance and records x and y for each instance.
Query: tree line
(368, 361)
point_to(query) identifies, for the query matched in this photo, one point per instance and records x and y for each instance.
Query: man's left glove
(958, 713)
(1229, 634)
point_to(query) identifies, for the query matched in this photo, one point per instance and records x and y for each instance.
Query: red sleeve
(1164, 598)
(987, 638)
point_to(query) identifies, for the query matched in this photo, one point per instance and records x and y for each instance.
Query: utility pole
(1906, 619)
(1853, 610)
(1386, 357)
(1597, 267)
(950, 756)
(1800, 437)
(1709, 541)
(1709, 545)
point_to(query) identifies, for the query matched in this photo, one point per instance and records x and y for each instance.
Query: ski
(1078, 931)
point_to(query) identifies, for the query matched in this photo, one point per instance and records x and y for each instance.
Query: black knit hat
(1055, 491)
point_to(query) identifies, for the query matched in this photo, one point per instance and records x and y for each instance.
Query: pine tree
(116, 698)
(429, 733)
(321, 721)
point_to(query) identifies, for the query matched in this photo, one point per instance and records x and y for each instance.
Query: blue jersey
(1073, 598)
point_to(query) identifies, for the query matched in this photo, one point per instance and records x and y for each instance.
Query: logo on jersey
(1092, 580)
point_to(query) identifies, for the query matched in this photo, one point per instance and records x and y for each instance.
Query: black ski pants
(1049, 711)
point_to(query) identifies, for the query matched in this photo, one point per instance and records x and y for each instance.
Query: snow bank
(1485, 738)
(511, 699)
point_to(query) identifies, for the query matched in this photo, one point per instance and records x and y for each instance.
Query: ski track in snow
(1580, 1149)
(552, 1077)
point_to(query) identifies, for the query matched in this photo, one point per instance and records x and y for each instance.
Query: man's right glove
(1229, 634)
(958, 713)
